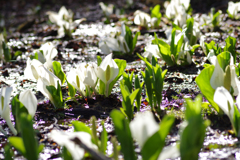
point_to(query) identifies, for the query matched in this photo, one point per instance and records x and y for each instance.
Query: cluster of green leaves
(169, 53)
(192, 136)
(155, 12)
(230, 47)
(153, 79)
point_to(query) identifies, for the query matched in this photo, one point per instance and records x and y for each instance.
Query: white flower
(63, 14)
(142, 19)
(202, 44)
(185, 53)
(47, 78)
(33, 70)
(107, 10)
(65, 139)
(233, 8)
(108, 70)
(151, 50)
(175, 7)
(143, 127)
(29, 100)
(83, 76)
(217, 78)
(4, 107)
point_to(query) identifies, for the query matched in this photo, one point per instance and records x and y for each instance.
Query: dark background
(15, 12)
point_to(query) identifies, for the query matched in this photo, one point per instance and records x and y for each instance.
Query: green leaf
(58, 71)
(17, 109)
(155, 12)
(138, 97)
(71, 90)
(6, 52)
(81, 127)
(134, 41)
(104, 139)
(192, 136)
(129, 39)
(236, 121)
(66, 154)
(154, 145)
(203, 82)
(121, 65)
(230, 46)
(128, 80)
(123, 133)
(99, 60)
(57, 96)
(8, 153)
(94, 131)
(224, 59)
(28, 136)
(17, 142)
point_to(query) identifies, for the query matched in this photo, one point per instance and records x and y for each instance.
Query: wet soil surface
(28, 29)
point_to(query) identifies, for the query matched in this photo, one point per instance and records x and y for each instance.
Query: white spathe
(65, 139)
(29, 100)
(108, 70)
(143, 126)
(142, 19)
(47, 78)
(107, 9)
(4, 107)
(33, 69)
(233, 8)
(151, 50)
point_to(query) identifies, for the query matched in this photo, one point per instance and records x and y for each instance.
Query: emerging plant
(233, 9)
(27, 143)
(145, 20)
(225, 101)
(216, 50)
(178, 9)
(64, 19)
(221, 73)
(128, 100)
(4, 50)
(192, 136)
(153, 79)
(84, 78)
(122, 44)
(107, 11)
(49, 85)
(4, 107)
(108, 72)
(45, 54)
(177, 53)
(212, 20)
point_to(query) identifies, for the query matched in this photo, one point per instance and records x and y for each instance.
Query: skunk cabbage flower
(47, 78)
(65, 139)
(222, 97)
(233, 9)
(143, 126)
(217, 78)
(4, 107)
(29, 100)
(107, 10)
(174, 7)
(63, 14)
(151, 50)
(108, 70)
(33, 70)
(142, 18)
(83, 77)
(185, 53)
